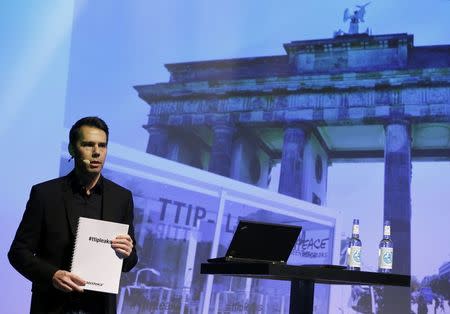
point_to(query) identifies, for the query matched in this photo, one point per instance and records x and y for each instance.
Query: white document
(94, 260)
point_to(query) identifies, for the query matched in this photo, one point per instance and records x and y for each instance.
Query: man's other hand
(123, 245)
(67, 282)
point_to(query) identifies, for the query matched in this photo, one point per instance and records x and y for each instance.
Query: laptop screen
(263, 241)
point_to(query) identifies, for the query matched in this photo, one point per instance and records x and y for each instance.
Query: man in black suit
(42, 248)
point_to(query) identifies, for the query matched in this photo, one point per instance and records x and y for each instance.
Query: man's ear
(71, 150)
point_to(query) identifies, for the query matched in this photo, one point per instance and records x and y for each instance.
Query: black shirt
(89, 206)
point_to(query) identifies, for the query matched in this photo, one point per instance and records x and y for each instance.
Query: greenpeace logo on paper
(100, 240)
(94, 283)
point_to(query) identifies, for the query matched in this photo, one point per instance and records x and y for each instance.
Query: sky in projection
(49, 47)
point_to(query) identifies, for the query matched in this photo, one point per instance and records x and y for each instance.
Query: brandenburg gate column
(291, 174)
(221, 149)
(158, 140)
(397, 209)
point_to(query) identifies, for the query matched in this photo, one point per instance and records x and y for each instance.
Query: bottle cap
(356, 221)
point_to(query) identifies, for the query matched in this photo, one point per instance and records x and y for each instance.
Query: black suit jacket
(45, 237)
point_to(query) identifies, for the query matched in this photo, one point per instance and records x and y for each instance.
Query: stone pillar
(397, 209)
(158, 140)
(291, 173)
(221, 149)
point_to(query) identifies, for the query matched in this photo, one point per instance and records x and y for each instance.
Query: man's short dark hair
(95, 122)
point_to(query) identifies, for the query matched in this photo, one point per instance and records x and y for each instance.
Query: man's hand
(123, 245)
(67, 282)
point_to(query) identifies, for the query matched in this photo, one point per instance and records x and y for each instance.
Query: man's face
(90, 150)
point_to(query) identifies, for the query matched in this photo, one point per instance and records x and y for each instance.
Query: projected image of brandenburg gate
(352, 98)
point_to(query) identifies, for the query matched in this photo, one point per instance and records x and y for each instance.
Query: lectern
(303, 278)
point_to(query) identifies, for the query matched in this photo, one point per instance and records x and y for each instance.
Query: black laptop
(260, 242)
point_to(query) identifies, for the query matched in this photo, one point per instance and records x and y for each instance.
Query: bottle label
(387, 230)
(385, 257)
(355, 229)
(354, 256)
